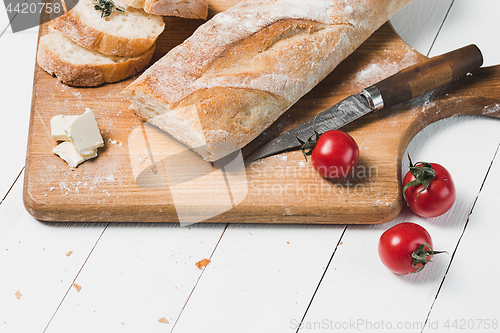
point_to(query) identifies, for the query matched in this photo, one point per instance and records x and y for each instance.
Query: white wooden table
(262, 278)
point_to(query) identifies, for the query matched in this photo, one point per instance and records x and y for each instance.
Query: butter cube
(66, 150)
(84, 133)
(59, 127)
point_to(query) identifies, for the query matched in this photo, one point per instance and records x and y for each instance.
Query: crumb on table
(163, 320)
(18, 294)
(202, 263)
(77, 287)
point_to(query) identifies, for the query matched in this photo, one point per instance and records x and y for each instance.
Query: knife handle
(423, 77)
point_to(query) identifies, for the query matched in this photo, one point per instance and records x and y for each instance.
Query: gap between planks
(460, 238)
(76, 276)
(322, 276)
(440, 27)
(10, 21)
(199, 277)
(10, 188)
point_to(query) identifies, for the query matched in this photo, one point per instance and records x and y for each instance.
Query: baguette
(77, 66)
(245, 67)
(191, 9)
(128, 34)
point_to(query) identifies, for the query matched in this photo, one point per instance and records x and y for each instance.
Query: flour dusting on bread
(242, 69)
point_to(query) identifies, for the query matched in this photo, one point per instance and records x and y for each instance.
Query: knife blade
(405, 85)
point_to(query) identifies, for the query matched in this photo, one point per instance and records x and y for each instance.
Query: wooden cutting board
(123, 184)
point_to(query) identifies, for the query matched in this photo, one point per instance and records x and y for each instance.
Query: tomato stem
(420, 256)
(308, 145)
(423, 174)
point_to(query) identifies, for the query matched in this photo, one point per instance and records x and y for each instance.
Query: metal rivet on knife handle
(429, 75)
(374, 98)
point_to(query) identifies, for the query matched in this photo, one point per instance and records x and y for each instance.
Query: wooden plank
(280, 189)
(358, 289)
(40, 260)
(470, 284)
(474, 22)
(418, 23)
(260, 277)
(136, 275)
(17, 60)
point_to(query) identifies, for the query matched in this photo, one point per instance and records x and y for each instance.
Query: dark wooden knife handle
(429, 75)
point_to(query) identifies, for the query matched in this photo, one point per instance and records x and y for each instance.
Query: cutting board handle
(426, 76)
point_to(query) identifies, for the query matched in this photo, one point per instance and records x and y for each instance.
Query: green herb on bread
(107, 6)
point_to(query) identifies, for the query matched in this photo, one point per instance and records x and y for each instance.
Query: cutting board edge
(37, 208)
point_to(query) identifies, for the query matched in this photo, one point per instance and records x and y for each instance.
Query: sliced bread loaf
(77, 66)
(124, 34)
(242, 69)
(192, 9)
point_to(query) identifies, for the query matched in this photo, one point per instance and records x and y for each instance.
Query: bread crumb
(69, 253)
(163, 320)
(77, 287)
(18, 294)
(202, 263)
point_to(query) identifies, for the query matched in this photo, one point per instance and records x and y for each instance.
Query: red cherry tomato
(439, 195)
(398, 243)
(335, 154)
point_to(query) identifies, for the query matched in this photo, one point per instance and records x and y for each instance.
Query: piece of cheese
(80, 134)
(66, 150)
(59, 127)
(84, 133)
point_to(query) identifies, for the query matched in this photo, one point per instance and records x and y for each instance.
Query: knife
(405, 85)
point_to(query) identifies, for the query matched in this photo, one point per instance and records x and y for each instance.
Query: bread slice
(120, 34)
(191, 9)
(246, 66)
(77, 66)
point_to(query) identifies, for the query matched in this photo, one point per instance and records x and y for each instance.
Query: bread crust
(245, 67)
(192, 9)
(88, 37)
(89, 75)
